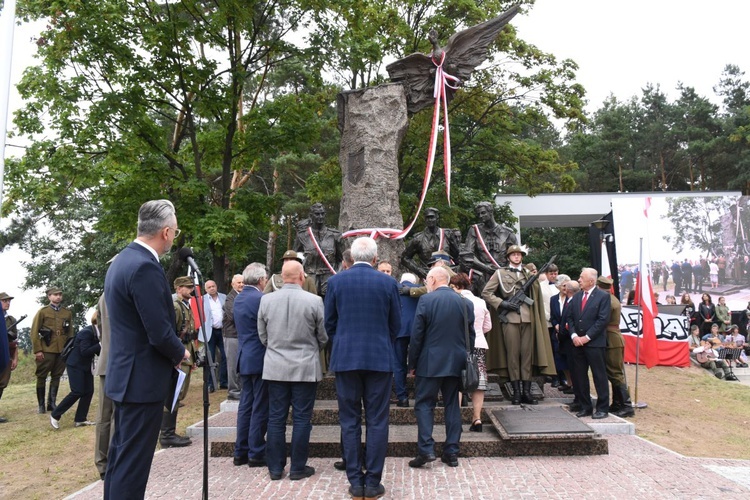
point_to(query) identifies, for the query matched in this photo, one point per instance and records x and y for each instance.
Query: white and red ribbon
(442, 80)
(484, 247)
(320, 252)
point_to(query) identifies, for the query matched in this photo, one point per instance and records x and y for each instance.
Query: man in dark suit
(252, 414)
(362, 319)
(558, 302)
(144, 349)
(587, 316)
(436, 356)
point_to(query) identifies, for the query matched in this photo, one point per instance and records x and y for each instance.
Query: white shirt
(153, 252)
(217, 312)
(482, 319)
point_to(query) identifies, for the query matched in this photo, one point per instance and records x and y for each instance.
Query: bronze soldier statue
(322, 247)
(425, 243)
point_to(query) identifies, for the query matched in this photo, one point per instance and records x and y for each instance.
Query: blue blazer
(85, 347)
(251, 351)
(408, 309)
(438, 339)
(592, 321)
(143, 345)
(362, 318)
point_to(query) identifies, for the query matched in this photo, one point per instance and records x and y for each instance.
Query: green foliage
(696, 223)
(570, 244)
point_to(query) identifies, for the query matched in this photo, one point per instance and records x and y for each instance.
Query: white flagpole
(640, 322)
(7, 23)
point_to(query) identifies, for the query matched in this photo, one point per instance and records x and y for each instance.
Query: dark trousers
(217, 343)
(400, 350)
(81, 388)
(132, 449)
(252, 418)
(301, 397)
(590, 357)
(687, 282)
(424, 407)
(373, 389)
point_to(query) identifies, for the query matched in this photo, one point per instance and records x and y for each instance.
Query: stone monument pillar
(373, 122)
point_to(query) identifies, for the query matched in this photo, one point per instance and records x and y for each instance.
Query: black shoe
(476, 426)
(420, 460)
(599, 415)
(306, 472)
(174, 441)
(450, 460)
(211, 389)
(3, 420)
(102, 475)
(240, 461)
(584, 413)
(339, 465)
(256, 462)
(555, 383)
(403, 403)
(357, 492)
(464, 402)
(373, 492)
(569, 390)
(574, 407)
(625, 411)
(223, 387)
(275, 476)
(40, 410)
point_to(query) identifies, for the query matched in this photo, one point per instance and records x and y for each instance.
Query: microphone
(186, 254)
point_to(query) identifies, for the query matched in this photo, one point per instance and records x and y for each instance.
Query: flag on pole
(644, 295)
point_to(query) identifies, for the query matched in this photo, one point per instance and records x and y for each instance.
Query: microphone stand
(207, 372)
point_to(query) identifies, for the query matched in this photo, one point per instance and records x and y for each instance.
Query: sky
(618, 46)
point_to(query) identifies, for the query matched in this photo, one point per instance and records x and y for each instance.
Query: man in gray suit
(105, 415)
(290, 326)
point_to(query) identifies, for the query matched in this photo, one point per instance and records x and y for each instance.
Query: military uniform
(424, 244)
(275, 283)
(12, 349)
(522, 348)
(56, 324)
(614, 356)
(497, 240)
(329, 241)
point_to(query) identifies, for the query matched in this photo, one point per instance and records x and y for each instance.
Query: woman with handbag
(482, 324)
(86, 345)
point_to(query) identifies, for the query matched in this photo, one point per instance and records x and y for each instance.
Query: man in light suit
(144, 349)
(213, 305)
(290, 325)
(105, 414)
(587, 316)
(437, 355)
(362, 319)
(252, 414)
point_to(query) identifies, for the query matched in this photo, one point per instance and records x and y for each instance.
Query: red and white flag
(644, 295)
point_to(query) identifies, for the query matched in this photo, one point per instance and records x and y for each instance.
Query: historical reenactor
(523, 348)
(52, 326)
(185, 327)
(10, 326)
(276, 282)
(322, 247)
(425, 243)
(615, 354)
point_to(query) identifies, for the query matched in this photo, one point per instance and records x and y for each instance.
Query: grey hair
(573, 286)
(253, 273)
(155, 215)
(408, 277)
(440, 274)
(364, 249)
(590, 270)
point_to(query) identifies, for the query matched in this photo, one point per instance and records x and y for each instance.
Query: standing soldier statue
(432, 239)
(52, 326)
(322, 247)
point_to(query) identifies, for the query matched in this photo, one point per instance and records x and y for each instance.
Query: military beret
(184, 281)
(604, 282)
(5, 296)
(291, 254)
(53, 289)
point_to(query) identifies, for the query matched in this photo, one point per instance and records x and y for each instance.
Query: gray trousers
(234, 384)
(105, 428)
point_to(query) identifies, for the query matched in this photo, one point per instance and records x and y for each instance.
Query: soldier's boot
(516, 399)
(168, 437)
(526, 397)
(627, 409)
(40, 398)
(2, 420)
(52, 397)
(616, 399)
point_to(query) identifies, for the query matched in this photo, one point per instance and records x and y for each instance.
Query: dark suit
(401, 344)
(143, 351)
(438, 354)
(592, 322)
(362, 318)
(560, 339)
(687, 276)
(252, 414)
(86, 346)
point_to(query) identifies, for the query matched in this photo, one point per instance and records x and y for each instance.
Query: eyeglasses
(176, 231)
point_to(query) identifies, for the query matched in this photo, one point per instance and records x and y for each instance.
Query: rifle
(13, 325)
(522, 296)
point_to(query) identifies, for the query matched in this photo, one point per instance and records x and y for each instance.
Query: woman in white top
(482, 324)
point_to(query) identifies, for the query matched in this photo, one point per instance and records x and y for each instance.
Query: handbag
(470, 374)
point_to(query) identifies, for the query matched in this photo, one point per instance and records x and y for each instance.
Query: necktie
(585, 298)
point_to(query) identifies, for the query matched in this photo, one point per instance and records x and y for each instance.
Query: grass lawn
(687, 408)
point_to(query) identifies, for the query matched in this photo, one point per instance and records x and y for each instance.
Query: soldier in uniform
(615, 354)
(523, 347)
(425, 243)
(276, 282)
(322, 247)
(486, 242)
(185, 328)
(10, 326)
(52, 326)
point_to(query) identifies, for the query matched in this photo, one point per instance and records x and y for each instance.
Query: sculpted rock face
(373, 122)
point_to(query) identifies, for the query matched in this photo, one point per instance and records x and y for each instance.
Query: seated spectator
(694, 340)
(714, 334)
(735, 340)
(708, 358)
(671, 300)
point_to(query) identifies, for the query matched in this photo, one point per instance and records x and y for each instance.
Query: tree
(696, 223)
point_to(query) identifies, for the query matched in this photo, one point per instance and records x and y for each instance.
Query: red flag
(644, 295)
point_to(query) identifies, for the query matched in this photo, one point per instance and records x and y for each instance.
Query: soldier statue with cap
(12, 329)
(321, 245)
(425, 243)
(52, 326)
(276, 282)
(520, 348)
(615, 356)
